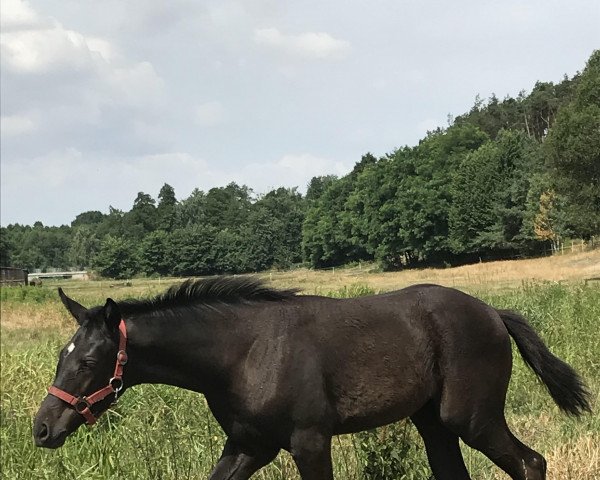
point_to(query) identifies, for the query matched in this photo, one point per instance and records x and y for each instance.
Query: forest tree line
(510, 177)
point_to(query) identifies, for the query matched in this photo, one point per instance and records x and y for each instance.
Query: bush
(393, 451)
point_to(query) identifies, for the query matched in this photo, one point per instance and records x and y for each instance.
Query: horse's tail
(564, 384)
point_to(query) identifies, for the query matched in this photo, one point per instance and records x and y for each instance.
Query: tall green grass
(159, 432)
(27, 295)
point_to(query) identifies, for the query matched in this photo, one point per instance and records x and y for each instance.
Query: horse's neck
(184, 351)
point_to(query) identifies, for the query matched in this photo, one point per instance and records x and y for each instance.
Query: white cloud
(74, 83)
(308, 45)
(17, 14)
(13, 125)
(45, 49)
(210, 114)
(54, 50)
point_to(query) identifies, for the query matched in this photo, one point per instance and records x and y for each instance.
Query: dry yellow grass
(32, 316)
(577, 459)
(491, 275)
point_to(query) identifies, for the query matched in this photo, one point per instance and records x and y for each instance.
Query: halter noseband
(83, 403)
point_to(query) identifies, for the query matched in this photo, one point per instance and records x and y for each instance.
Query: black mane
(223, 290)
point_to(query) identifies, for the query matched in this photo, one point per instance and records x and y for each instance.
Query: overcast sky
(102, 99)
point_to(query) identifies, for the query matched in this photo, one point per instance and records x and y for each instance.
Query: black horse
(286, 371)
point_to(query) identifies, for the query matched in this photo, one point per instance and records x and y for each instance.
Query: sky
(102, 100)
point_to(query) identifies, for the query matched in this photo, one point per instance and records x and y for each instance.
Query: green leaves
(573, 152)
(117, 258)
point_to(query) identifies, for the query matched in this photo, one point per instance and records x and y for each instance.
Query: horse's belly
(378, 401)
(377, 386)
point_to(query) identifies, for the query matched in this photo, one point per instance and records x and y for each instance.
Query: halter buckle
(122, 357)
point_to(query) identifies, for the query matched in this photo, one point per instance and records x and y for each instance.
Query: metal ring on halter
(81, 405)
(116, 383)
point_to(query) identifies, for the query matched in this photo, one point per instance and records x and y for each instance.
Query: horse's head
(85, 366)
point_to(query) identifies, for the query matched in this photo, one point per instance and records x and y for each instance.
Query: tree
(423, 196)
(365, 210)
(5, 247)
(191, 250)
(489, 196)
(155, 253)
(317, 186)
(274, 229)
(141, 219)
(325, 238)
(573, 152)
(472, 211)
(84, 246)
(92, 217)
(545, 223)
(166, 208)
(191, 211)
(541, 107)
(532, 113)
(117, 258)
(227, 207)
(112, 224)
(230, 253)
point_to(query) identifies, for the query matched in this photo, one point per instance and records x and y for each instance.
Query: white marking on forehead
(70, 348)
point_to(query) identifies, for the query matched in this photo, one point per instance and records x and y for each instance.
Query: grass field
(159, 432)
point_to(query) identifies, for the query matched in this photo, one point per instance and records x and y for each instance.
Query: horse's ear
(78, 311)
(112, 314)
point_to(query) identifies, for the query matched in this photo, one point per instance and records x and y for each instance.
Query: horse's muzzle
(53, 423)
(44, 436)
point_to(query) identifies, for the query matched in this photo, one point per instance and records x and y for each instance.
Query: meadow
(159, 432)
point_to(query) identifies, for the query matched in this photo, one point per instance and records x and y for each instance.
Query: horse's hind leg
(498, 443)
(477, 416)
(476, 371)
(443, 451)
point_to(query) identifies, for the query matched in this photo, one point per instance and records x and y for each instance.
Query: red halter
(83, 403)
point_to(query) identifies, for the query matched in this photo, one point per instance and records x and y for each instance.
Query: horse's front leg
(239, 463)
(311, 451)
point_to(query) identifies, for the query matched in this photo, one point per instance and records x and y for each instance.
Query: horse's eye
(87, 364)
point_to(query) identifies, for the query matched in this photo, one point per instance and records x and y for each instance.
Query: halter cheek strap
(83, 403)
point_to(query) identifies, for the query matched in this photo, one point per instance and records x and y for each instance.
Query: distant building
(13, 276)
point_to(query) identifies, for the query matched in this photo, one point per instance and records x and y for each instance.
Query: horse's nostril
(43, 432)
